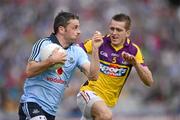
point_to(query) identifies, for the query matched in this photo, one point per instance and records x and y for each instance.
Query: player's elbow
(28, 74)
(149, 82)
(148, 79)
(28, 71)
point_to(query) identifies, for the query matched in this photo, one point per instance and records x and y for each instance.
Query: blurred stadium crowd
(156, 26)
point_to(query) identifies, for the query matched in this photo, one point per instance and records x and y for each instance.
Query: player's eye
(115, 29)
(112, 28)
(118, 30)
(76, 27)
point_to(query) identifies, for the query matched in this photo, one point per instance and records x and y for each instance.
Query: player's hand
(97, 39)
(129, 58)
(58, 56)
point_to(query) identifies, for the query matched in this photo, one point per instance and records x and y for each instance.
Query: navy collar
(54, 39)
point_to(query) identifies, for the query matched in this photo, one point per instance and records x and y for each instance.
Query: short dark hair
(123, 18)
(62, 19)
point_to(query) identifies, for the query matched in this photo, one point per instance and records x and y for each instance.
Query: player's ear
(61, 29)
(128, 32)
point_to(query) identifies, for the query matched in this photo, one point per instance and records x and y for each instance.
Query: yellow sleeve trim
(139, 56)
(88, 46)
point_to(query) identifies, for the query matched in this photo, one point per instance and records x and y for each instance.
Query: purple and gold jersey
(113, 69)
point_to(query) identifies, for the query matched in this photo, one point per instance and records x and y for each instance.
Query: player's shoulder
(135, 45)
(76, 47)
(77, 50)
(45, 40)
(130, 43)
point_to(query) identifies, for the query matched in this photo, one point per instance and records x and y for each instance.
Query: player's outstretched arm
(91, 70)
(97, 41)
(143, 71)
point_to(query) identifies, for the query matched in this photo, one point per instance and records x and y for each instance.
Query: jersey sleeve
(87, 46)
(83, 58)
(35, 53)
(139, 57)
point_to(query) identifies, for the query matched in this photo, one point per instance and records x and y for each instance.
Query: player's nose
(78, 31)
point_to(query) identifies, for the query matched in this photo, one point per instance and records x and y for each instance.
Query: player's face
(118, 33)
(72, 30)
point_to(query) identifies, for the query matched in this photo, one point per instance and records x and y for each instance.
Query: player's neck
(118, 46)
(62, 41)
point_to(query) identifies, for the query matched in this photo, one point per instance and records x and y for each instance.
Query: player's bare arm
(92, 69)
(34, 68)
(143, 71)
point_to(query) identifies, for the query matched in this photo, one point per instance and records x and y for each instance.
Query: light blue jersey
(47, 88)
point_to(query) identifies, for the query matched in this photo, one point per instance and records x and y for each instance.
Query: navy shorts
(30, 109)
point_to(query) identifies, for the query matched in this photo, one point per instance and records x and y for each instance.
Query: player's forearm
(34, 68)
(94, 67)
(144, 74)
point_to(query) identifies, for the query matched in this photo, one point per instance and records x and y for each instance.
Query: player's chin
(114, 42)
(76, 37)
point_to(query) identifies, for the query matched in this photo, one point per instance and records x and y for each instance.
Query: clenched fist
(97, 39)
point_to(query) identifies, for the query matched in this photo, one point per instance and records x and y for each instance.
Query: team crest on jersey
(103, 53)
(71, 60)
(113, 70)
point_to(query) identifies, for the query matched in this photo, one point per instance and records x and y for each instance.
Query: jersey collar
(54, 39)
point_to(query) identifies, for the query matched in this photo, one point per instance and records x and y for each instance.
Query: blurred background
(156, 26)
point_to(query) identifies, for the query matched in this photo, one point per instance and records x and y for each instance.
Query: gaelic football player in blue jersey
(44, 88)
(118, 54)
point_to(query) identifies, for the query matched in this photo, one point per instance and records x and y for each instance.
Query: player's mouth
(113, 37)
